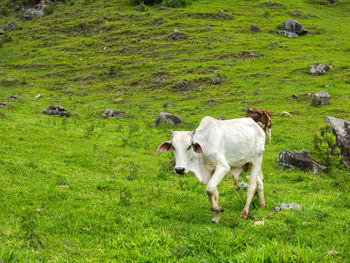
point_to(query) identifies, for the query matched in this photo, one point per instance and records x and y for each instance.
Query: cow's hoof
(215, 219)
(244, 214)
(221, 209)
(262, 204)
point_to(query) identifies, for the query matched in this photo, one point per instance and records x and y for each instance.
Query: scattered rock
(283, 207)
(10, 27)
(57, 111)
(167, 105)
(319, 69)
(9, 81)
(30, 13)
(294, 26)
(12, 98)
(176, 35)
(341, 130)
(167, 117)
(62, 186)
(332, 252)
(159, 80)
(321, 98)
(248, 54)
(290, 34)
(254, 29)
(181, 85)
(294, 96)
(108, 114)
(2, 105)
(211, 101)
(268, 3)
(326, 86)
(300, 160)
(259, 223)
(118, 99)
(243, 185)
(216, 81)
(38, 210)
(38, 96)
(208, 28)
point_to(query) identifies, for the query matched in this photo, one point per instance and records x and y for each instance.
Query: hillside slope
(90, 189)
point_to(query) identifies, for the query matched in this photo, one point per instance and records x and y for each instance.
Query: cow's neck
(200, 169)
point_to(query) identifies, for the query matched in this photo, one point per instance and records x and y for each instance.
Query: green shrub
(4, 11)
(48, 10)
(325, 147)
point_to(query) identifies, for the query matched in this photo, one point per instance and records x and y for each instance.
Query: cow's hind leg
(260, 186)
(235, 172)
(254, 173)
(213, 193)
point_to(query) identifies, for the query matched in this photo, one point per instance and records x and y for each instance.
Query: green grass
(123, 202)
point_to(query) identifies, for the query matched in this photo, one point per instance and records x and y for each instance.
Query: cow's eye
(189, 147)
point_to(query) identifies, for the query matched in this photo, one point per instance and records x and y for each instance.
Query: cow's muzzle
(180, 170)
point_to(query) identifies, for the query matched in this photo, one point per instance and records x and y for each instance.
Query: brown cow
(261, 117)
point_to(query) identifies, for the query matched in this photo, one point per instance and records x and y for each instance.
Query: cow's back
(235, 140)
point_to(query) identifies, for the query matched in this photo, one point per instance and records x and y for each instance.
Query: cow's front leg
(213, 192)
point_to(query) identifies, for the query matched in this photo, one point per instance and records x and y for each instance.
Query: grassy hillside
(87, 189)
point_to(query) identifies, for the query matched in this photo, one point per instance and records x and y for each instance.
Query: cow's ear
(197, 147)
(165, 147)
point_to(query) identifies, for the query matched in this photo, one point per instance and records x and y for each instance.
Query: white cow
(217, 147)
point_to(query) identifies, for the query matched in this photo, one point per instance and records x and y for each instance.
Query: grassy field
(88, 189)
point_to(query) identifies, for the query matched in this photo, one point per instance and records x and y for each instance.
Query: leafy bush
(4, 11)
(325, 146)
(48, 10)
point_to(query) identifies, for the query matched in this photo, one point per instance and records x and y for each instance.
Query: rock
(254, 29)
(283, 207)
(259, 223)
(62, 186)
(321, 98)
(176, 35)
(208, 28)
(57, 111)
(211, 101)
(166, 105)
(300, 160)
(112, 114)
(38, 96)
(290, 34)
(159, 80)
(216, 81)
(38, 210)
(294, 96)
(9, 81)
(332, 252)
(181, 85)
(12, 98)
(294, 26)
(167, 117)
(30, 13)
(319, 69)
(2, 105)
(10, 27)
(341, 130)
(243, 185)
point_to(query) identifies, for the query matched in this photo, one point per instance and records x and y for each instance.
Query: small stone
(243, 185)
(290, 34)
(211, 101)
(10, 27)
(105, 48)
(320, 98)
(2, 105)
(291, 206)
(67, 90)
(12, 98)
(108, 113)
(38, 210)
(181, 84)
(208, 28)
(326, 86)
(159, 80)
(176, 35)
(168, 118)
(118, 99)
(9, 81)
(216, 81)
(259, 223)
(254, 29)
(57, 111)
(38, 96)
(294, 96)
(62, 186)
(332, 252)
(294, 27)
(166, 105)
(319, 69)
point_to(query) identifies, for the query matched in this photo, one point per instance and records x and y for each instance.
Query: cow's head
(184, 149)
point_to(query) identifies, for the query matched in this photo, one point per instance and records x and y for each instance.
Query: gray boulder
(168, 118)
(10, 27)
(283, 207)
(108, 113)
(320, 98)
(301, 160)
(57, 111)
(341, 130)
(176, 35)
(294, 27)
(319, 69)
(30, 13)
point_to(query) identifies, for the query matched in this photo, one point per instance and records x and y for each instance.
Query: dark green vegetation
(123, 203)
